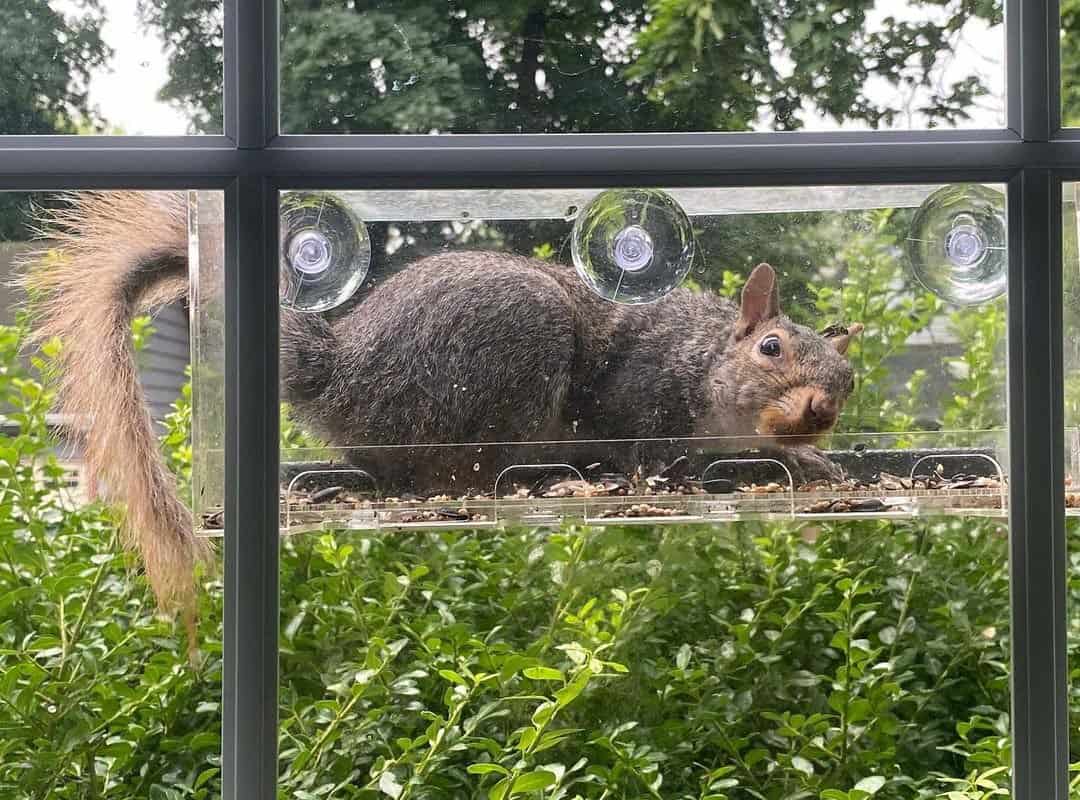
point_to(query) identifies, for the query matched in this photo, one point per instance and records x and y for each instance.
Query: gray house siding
(163, 361)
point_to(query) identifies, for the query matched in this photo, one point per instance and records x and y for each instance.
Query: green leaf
(871, 784)
(553, 738)
(754, 756)
(528, 736)
(837, 701)
(802, 765)
(391, 587)
(513, 664)
(797, 33)
(487, 768)
(859, 709)
(204, 740)
(834, 794)
(533, 782)
(543, 714)
(568, 693)
(543, 674)
(205, 776)
(453, 677)
(498, 791)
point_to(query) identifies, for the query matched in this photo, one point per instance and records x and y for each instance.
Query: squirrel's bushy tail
(106, 257)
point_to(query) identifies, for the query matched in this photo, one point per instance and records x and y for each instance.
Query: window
(389, 67)
(947, 246)
(123, 67)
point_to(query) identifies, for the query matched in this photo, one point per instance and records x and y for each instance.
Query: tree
(351, 66)
(714, 65)
(193, 39)
(1070, 63)
(45, 63)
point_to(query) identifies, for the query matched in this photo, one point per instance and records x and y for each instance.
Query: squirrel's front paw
(807, 463)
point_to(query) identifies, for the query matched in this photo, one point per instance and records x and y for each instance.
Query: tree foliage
(1070, 63)
(550, 66)
(46, 59)
(193, 36)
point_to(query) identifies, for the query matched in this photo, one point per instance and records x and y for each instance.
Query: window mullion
(250, 690)
(1036, 420)
(1031, 59)
(1037, 505)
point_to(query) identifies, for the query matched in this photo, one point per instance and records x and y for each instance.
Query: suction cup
(957, 244)
(632, 245)
(325, 252)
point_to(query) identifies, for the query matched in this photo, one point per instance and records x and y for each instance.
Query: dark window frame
(252, 162)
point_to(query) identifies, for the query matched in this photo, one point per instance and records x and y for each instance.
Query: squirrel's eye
(770, 346)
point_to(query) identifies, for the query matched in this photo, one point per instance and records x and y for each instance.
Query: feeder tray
(879, 484)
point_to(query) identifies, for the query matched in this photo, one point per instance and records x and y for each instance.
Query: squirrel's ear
(760, 300)
(842, 341)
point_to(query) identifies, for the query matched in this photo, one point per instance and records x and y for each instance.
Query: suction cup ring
(965, 244)
(633, 248)
(310, 252)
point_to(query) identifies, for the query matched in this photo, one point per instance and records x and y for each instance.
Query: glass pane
(567, 505)
(110, 67)
(1070, 64)
(1071, 324)
(101, 696)
(638, 65)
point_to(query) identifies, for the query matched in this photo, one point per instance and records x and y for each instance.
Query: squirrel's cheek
(773, 422)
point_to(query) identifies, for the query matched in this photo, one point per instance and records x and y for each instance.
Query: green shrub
(744, 661)
(740, 661)
(95, 697)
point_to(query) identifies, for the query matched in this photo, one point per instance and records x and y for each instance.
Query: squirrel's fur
(109, 256)
(460, 347)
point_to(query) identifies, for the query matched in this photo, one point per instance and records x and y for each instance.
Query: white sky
(126, 93)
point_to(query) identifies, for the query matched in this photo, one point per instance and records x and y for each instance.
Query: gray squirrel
(459, 347)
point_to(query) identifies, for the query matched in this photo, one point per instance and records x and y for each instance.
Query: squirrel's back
(474, 347)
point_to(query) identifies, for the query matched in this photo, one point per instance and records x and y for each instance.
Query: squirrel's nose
(822, 407)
